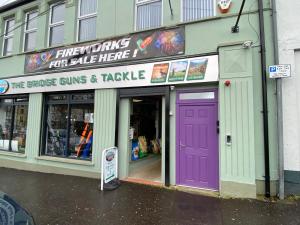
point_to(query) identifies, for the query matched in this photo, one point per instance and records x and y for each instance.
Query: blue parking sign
(272, 69)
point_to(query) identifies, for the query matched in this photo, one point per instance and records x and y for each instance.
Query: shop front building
(179, 95)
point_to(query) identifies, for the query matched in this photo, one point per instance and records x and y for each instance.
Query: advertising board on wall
(182, 71)
(151, 44)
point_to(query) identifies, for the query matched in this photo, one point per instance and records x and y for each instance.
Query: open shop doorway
(145, 161)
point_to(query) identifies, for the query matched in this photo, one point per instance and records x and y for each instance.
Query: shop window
(69, 125)
(87, 19)
(30, 30)
(148, 14)
(8, 37)
(56, 24)
(197, 9)
(13, 123)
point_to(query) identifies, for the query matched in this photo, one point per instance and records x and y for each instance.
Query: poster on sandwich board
(109, 165)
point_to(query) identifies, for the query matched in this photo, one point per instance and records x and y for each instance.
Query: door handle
(181, 145)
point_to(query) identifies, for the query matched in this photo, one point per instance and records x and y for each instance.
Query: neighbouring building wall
(289, 45)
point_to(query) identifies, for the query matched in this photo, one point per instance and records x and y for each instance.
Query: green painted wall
(104, 124)
(123, 141)
(237, 115)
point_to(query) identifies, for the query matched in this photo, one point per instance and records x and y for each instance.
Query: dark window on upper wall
(30, 30)
(8, 37)
(87, 20)
(197, 9)
(68, 124)
(13, 123)
(148, 14)
(56, 24)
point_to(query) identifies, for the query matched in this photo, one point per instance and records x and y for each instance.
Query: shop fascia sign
(183, 71)
(145, 45)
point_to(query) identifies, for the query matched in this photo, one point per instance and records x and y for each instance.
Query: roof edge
(14, 4)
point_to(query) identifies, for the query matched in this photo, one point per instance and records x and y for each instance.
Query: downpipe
(264, 97)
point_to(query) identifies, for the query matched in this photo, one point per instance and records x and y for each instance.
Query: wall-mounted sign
(132, 47)
(189, 70)
(224, 5)
(109, 161)
(280, 71)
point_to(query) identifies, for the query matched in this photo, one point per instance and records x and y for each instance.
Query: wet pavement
(66, 200)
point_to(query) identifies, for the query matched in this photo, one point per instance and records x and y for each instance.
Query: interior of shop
(145, 138)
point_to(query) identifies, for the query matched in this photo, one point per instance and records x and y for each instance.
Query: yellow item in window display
(142, 146)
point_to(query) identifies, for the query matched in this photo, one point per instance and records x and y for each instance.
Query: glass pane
(56, 35)
(8, 46)
(197, 9)
(57, 97)
(7, 100)
(9, 27)
(22, 99)
(87, 29)
(20, 126)
(88, 7)
(81, 131)
(31, 21)
(201, 95)
(30, 41)
(58, 13)
(6, 113)
(56, 140)
(149, 15)
(83, 97)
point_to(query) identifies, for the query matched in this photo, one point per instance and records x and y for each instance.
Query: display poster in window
(109, 165)
(145, 45)
(181, 71)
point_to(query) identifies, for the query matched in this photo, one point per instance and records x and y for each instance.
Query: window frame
(145, 2)
(80, 18)
(69, 102)
(11, 34)
(181, 12)
(51, 25)
(30, 30)
(14, 103)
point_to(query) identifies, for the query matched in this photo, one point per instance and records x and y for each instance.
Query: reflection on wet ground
(65, 200)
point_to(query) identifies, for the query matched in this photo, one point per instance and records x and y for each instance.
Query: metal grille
(197, 9)
(148, 15)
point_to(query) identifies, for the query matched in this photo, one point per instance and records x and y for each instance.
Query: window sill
(65, 160)
(13, 154)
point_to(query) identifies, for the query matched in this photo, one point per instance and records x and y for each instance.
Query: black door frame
(163, 91)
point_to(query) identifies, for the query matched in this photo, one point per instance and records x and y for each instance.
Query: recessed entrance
(145, 138)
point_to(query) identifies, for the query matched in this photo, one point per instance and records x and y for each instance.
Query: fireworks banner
(152, 44)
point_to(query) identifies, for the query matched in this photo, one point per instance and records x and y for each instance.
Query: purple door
(197, 145)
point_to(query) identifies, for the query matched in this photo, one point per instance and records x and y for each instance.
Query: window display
(69, 125)
(13, 123)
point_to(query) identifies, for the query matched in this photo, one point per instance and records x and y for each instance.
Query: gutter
(14, 4)
(264, 97)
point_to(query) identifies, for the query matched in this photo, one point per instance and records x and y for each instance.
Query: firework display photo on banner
(144, 45)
